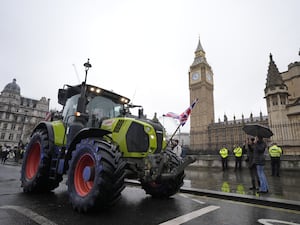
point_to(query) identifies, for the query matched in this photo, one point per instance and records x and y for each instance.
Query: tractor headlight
(147, 129)
(94, 89)
(124, 100)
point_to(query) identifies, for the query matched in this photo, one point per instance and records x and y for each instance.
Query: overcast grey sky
(143, 49)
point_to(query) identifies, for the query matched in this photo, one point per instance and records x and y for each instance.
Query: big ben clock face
(209, 77)
(195, 76)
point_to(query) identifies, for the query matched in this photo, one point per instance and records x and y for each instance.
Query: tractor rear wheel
(95, 176)
(36, 165)
(166, 188)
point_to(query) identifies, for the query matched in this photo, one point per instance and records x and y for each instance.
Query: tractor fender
(47, 126)
(55, 130)
(82, 134)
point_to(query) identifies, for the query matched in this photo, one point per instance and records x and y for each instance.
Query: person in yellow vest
(238, 152)
(224, 156)
(275, 153)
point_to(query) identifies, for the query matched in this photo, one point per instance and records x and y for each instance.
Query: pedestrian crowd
(254, 148)
(12, 153)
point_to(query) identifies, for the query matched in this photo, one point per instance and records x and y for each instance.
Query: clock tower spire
(199, 47)
(201, 86)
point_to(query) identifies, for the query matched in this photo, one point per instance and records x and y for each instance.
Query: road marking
(270, 222)
(193, 199)
(30, 214)
(187, 217)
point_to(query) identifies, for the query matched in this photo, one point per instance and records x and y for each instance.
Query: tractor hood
(136, 137)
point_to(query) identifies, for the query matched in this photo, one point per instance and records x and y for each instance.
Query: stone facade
(282, 94)
(230, 133)
(19, 115)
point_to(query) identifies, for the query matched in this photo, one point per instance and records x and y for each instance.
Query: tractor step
(53, 168)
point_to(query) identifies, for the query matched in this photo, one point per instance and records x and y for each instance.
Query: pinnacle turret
(273, 77)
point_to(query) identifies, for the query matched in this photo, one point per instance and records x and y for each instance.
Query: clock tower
(202, 87)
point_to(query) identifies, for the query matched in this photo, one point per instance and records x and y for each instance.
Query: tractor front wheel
(95, 176)
(166, 188)
(36, 164)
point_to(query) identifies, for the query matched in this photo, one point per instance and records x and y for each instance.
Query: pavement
(284, 191)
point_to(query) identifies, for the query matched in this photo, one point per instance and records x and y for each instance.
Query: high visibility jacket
(223, 152)
(275, 151)
(238, 151)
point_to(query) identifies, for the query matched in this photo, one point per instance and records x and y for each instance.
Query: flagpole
(183, 117)
(174, 134)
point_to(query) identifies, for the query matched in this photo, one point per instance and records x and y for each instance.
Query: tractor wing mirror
(62, 96)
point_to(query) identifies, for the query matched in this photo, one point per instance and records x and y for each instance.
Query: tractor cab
(87, 106)
(99, 104)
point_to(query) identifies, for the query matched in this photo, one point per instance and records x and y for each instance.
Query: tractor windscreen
(99, 104)
(100, 108)
(70, 109)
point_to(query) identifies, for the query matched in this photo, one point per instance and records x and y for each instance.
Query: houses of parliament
(282, 95)
(18, 115)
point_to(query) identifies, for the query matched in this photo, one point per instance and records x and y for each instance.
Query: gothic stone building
(282, 94)
(19, 115)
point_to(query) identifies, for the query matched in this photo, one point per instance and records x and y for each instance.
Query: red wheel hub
(33, 160)
(83, 185)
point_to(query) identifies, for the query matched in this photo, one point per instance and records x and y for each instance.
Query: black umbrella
(257, 130)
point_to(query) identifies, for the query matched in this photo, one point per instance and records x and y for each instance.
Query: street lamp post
(23, 126)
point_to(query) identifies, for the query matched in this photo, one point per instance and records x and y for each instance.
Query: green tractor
(98, 143)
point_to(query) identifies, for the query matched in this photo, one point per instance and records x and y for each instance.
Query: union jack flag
(172, 115)
(183, 117)
(48, 116)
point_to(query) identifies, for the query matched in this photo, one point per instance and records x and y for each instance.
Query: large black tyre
(166, 188)
(36, 165)
(95, 176)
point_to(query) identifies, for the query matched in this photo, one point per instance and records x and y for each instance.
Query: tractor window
(70, 109)
(100, 108)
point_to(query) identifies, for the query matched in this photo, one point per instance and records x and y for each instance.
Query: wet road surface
(134, 208)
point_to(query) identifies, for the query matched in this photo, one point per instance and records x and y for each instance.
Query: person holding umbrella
(260, 132)
(259, 160)
(249, 146)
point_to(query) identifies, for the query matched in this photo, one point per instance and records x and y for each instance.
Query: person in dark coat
(249, 147)
(4, 155)
(259, 160)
